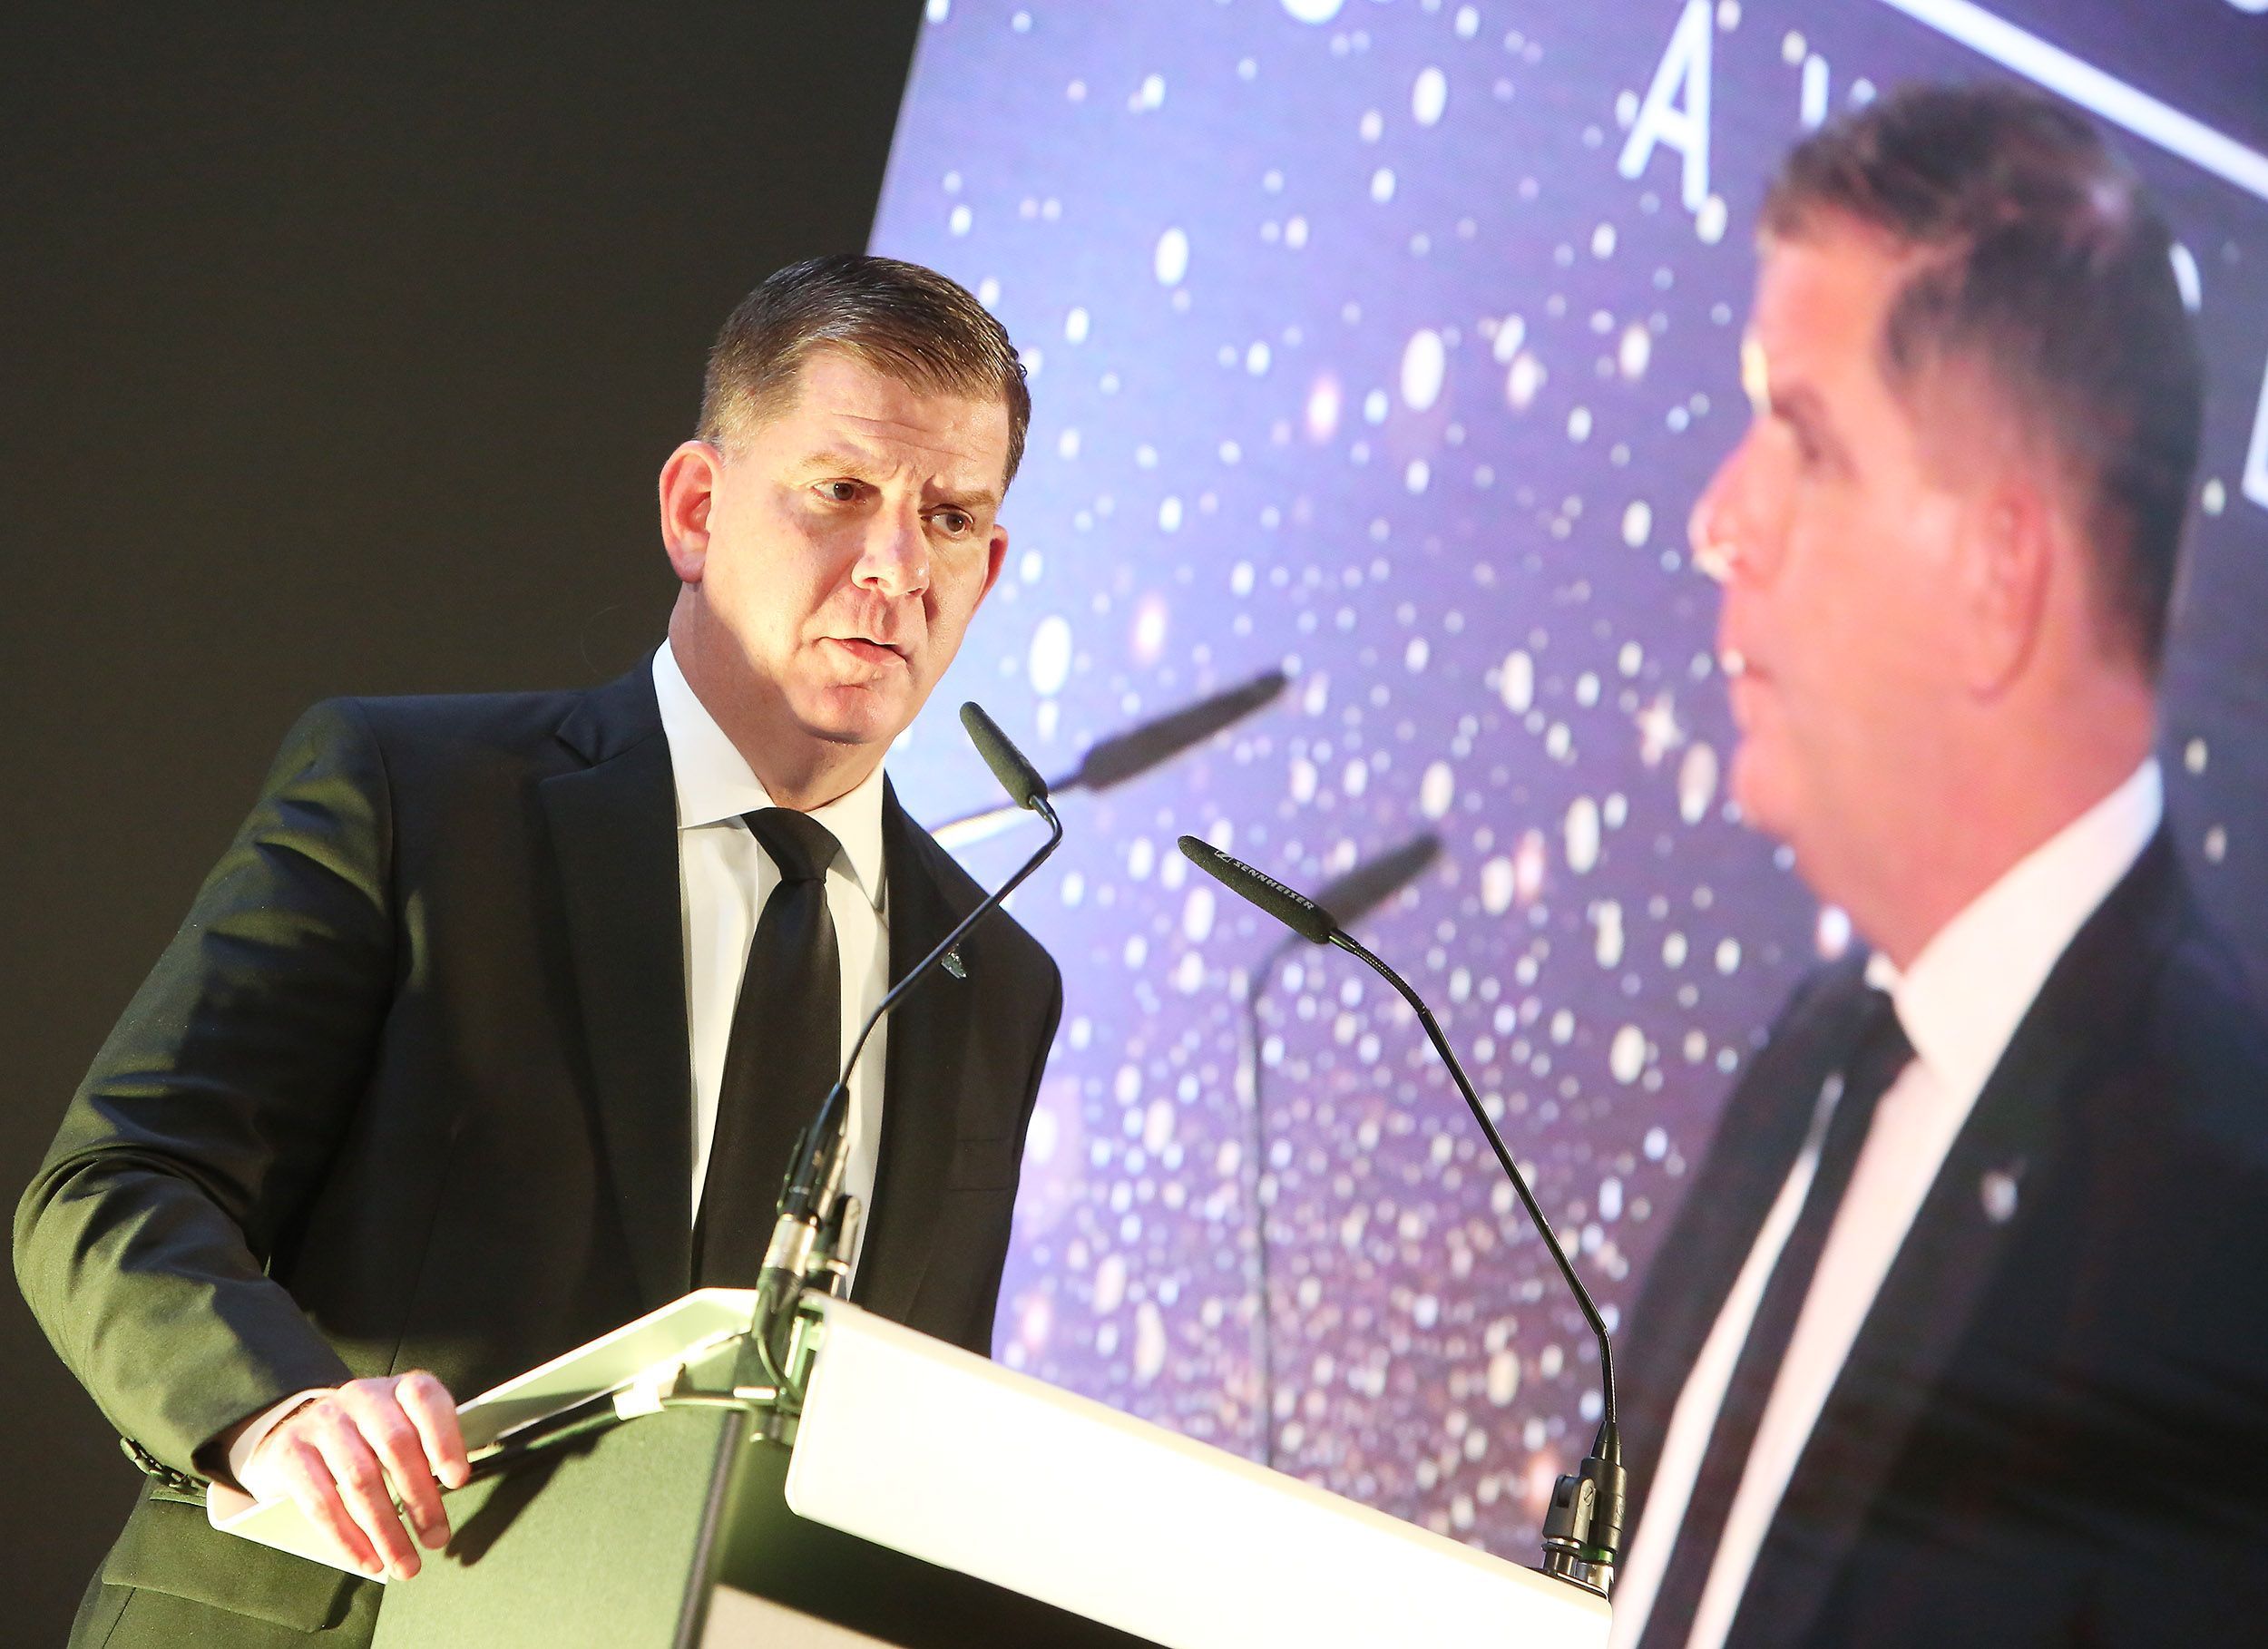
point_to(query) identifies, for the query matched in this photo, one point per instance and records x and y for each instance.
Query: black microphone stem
(1353, 948)
(826, 1130)
(813, 1181)
(1582, 1527)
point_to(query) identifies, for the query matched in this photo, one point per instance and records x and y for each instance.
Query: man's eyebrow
(975, 503)
(837, 458)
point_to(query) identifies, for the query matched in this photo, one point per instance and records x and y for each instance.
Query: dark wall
(340, 352)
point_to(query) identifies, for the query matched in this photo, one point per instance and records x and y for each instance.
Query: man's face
(1834, 537)
(850, 539)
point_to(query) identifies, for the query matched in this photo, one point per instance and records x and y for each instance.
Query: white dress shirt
(1959, 1003)
(724, 878)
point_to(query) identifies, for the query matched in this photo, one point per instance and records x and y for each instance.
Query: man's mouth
(867, 650)
(1746, 685)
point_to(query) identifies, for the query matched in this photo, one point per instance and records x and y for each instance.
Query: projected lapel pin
(1997, 1192)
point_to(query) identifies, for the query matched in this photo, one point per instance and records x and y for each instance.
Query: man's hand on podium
(345, 1457)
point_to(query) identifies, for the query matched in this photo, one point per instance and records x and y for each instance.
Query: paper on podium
(678, 1332)
(919, 1446)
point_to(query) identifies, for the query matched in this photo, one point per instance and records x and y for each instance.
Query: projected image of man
(1955, 1340)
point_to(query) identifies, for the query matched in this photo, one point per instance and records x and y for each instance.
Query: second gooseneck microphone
(1582, 1531)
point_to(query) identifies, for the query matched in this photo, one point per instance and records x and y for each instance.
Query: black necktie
(1879, 1053)
(782, 1056)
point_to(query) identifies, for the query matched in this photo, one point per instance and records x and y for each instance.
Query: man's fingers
(433, 1411)
(362, 1488)
(303, 1474)
(402, 1451)
(345, 1459)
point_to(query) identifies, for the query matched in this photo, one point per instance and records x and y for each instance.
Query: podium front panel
(927, 1450)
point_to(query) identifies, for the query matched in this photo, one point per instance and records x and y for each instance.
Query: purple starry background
(1354, 353)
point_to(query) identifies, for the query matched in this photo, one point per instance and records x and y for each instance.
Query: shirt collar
(1972, 983)
(715, 785)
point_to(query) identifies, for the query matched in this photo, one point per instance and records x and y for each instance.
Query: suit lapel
(2001, 1158)
(927, 1039)
(613, 828)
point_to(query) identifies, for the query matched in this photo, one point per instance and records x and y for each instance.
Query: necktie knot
(799, 843)
(1881, 1048)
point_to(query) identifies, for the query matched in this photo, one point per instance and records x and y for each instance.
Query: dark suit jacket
(410, 1088)
(2053, 1427)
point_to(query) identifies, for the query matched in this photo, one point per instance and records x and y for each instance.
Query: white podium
(928, 1497)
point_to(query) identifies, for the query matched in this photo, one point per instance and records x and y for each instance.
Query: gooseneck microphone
(812, 1235)
(1582, 1531)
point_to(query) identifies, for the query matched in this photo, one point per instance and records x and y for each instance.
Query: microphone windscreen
(1295, 909)
(1016, 776)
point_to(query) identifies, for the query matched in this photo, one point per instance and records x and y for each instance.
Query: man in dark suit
(482, 1039)
(1958, 1336)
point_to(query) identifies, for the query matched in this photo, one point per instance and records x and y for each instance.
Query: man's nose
(1730, 532)
(894, 558)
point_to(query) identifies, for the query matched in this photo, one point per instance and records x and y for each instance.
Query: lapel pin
(1997, 1191)
(954, 965)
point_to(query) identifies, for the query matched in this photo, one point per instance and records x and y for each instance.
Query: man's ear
(996, 558)
(2014, 544)
(689, 490)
